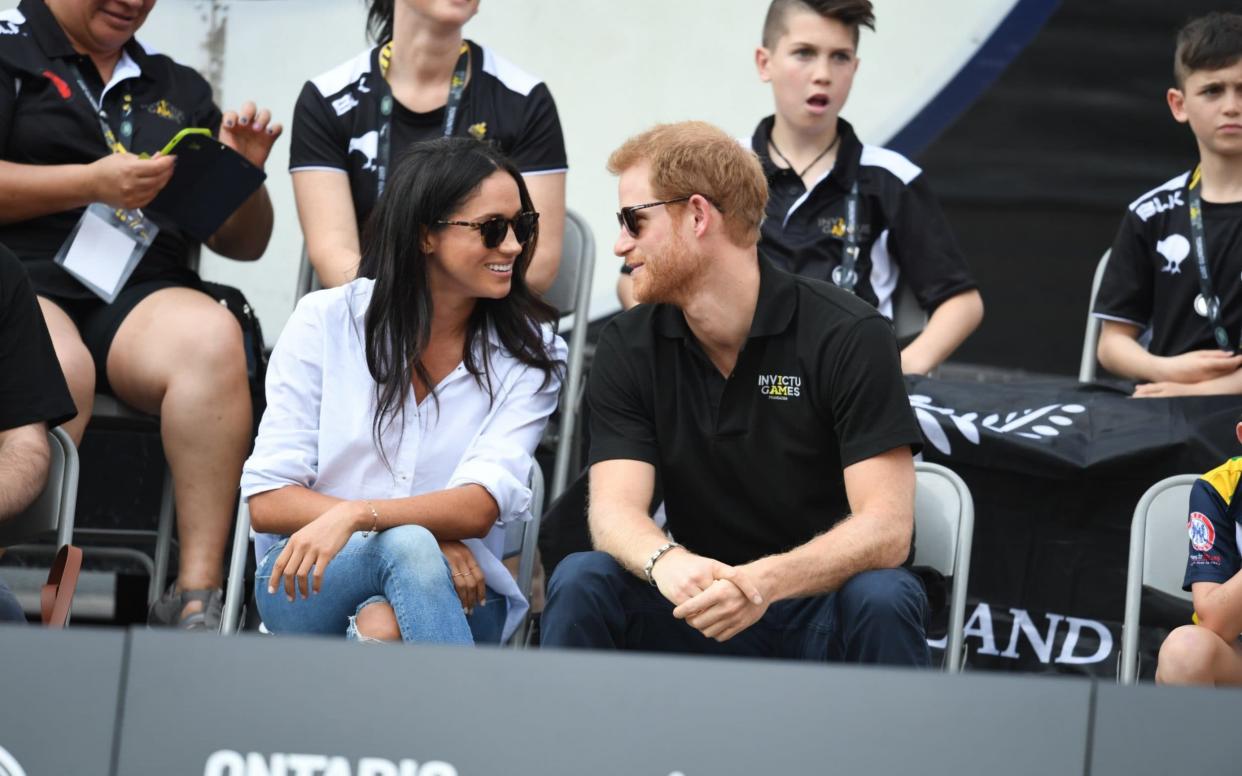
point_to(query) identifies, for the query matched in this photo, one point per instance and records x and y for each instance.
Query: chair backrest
(523, 539)
(909, 317)
(566, 289)
(1158, 552)
(571, 292)
(944, 517)
(308, 278)
(1091, 337)
(1165, 542)
(52, 511)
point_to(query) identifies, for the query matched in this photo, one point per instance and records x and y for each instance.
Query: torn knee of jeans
(378, 622)
(352, 633)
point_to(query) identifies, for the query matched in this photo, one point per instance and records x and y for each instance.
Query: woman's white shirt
(317, 429)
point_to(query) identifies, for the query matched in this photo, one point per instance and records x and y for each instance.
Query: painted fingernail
(244, 120)
(229, 124)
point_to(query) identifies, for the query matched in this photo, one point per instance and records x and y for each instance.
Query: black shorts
(98, 321)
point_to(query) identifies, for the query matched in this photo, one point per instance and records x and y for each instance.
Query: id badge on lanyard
(107, 243)
(384, 145)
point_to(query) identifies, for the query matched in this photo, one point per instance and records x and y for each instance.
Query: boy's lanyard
(845, 275)
(1197, 241)
(384, 144)
(127, 108)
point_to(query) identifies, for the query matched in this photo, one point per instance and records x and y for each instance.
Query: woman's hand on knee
(467, 576)
(313, 547)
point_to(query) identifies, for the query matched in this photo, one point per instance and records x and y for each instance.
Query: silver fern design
(1039, 424)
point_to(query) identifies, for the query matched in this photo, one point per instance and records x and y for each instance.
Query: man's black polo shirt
(45, 120)
(752, 465)
(32, 386)
(903, 234)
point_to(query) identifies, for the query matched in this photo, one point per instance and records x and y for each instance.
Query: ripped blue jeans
(403, 566)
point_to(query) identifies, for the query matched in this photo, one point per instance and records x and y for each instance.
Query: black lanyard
(127, 108)
(1210, 300)
(456, 87)
(846, 275)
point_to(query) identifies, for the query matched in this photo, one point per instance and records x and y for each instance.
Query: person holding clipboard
(423, 80)
(81, 102)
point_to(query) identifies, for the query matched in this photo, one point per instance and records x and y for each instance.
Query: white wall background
(614, 68)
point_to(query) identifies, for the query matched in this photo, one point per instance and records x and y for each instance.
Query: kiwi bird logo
(368, 146)
(1174, 249)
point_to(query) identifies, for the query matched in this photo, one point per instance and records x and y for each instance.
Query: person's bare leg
(1193, 654)
(77, 364)
(378, 621)
(179, 354)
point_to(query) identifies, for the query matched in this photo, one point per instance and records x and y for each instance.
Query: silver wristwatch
(659, 553)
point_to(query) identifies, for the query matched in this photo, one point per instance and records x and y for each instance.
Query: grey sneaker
(169, 610)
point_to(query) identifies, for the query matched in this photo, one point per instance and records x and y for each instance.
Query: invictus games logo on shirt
(836, 227)
(1202, 534)
(166, 110)
(782, 387)
(478, 131)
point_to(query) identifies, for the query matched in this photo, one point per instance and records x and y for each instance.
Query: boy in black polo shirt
(1174, 266)
(772, 409)
(815, 165)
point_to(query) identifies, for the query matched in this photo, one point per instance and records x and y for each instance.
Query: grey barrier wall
(260, 706)
(1147, 730)
(58, 700)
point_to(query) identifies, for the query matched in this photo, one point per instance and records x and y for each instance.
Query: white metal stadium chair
(50, 515)
(944, 517)
(1158, 547)
(1091, 337)
(571, 294)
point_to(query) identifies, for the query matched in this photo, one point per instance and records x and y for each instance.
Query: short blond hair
(694, 157)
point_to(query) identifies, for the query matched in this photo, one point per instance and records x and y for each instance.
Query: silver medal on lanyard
(1207, 304)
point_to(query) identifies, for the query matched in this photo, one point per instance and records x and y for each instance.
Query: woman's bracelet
(374, 519)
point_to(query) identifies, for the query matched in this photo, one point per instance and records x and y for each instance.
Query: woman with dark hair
(423, 80)
(403, 412)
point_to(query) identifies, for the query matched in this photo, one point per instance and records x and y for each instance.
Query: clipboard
(210, 182)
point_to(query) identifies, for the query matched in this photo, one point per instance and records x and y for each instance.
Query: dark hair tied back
(379, 20)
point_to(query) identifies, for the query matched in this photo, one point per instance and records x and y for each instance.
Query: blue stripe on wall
(1012, 35)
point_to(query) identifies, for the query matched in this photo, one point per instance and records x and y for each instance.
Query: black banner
(1056, 469)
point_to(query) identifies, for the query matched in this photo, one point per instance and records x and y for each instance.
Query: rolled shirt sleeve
(499, 457)
(287, 449)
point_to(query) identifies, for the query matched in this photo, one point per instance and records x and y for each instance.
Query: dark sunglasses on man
(493, 230)
(629, 222)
